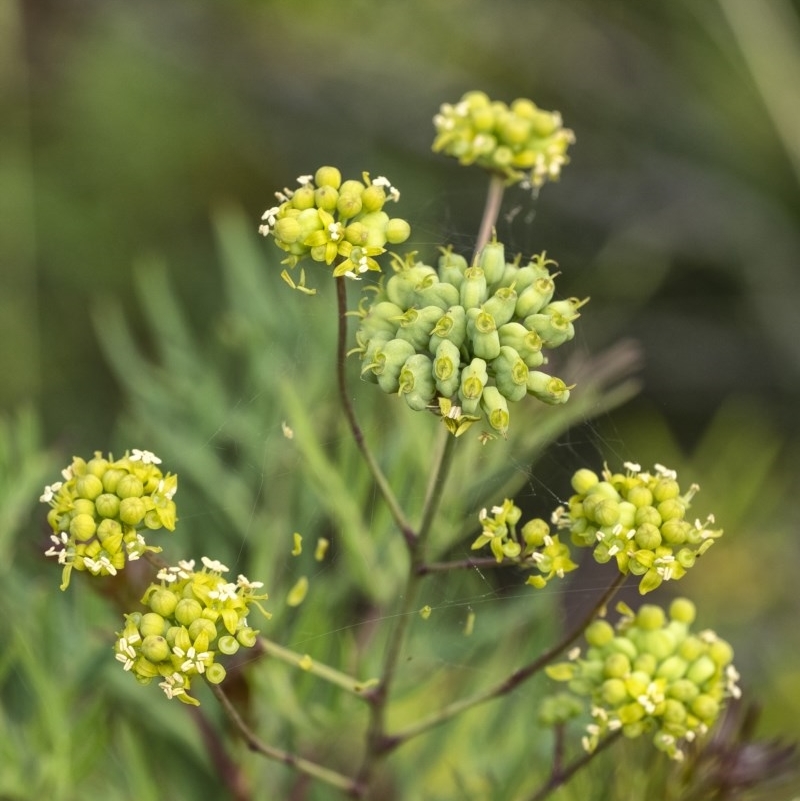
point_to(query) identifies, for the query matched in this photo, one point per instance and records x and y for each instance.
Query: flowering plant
(461, 341)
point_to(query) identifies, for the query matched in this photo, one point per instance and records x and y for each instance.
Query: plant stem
(376, 733)
(511, 682)
(358, 435)
(319, 669)
(327, 775)
(563, 775)
(491, 210)
(483, 562)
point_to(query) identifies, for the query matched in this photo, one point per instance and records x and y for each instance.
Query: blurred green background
(142, 141)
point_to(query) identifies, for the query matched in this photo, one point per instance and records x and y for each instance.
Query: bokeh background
(135, 135)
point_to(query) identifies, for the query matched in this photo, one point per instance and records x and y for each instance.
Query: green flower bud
(645, 663)
(402, 286)
(107, 505)
(672, 668)
(721, 652)
(675, 532)
(660, 644)
(623, 645)
(473, 379)
(495, 408)
(451, 326)
(416, 325)
(108, 529)
(228, 644)
(692, 648)
(554, 329)
(446, 366)
(247, 636)
(372, 198)
(349, 205)
(83, 506)
(187, 610)
(356, 234)
(492, 260)
(152, 624)
(303, 197)
(88, 486)
(671, 509)
(163, 602)
(438, 294)
(650, 617)
(82, 527)
(389, 361)
(376, 342)
(215, 673)
(416, 381)
(375, 222)
(584, 480)
(473, 291)
(482, 331)
(674, 711)
(510, 374)
(639, 496)
(547, 389)
(647, 514)
(613, 692)
(666, 489)
(452, 267)
(533, 298)
(683, 690)
(288, 230)
(326, 198)
(97, 466)
(701, 670)
(501, 305)
(535, 532)
(705, 707)
(559, 708)
(599, 633)
(528, 344)
(132, 511)
(397, 231)
(647, 537)
(328, 176)
(202, 625)
(111, 478)
(155, 648)
(129, 486)
(616, 665)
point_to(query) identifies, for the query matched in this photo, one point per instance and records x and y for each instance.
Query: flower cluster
(522, 142)
(329, 219)
(532, 547)
(193, 615)
(472, 336)
(651, 674)
(102, 508)
(637, 518)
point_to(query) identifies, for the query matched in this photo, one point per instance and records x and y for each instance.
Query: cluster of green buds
(102, 509)
(193, 616)
(471, 336)
(522, 142)
(530, 546)
(651, 674)
(330, 220)
(638, 519)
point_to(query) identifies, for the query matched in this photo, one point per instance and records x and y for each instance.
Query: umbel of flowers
(636, 518)
(103, 508)
(472, 337)
(651, 674)
(330, 220)
(521, 142)
(193, 615)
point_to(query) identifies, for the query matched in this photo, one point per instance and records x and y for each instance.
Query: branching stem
(334, 778)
